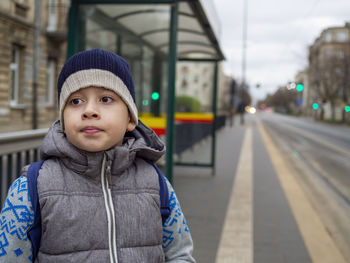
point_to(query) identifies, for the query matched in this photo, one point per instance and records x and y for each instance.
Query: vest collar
(142, 142)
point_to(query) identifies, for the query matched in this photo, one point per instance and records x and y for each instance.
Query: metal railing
(17, 149)
(189, 134)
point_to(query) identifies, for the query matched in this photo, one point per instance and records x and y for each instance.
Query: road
(280, 193)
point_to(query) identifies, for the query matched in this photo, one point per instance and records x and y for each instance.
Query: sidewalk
(243, 213)
(204, 198)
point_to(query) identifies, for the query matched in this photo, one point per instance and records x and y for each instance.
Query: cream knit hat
(98, 68)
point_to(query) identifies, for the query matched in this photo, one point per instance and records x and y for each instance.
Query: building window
(327, 53)
(51, 81)
(328, 36)
(183, 90)
(341, 36)
(184, 69)
(340, 54)
(15, 68)
(21, 8)
(339, 71)
(52, 16)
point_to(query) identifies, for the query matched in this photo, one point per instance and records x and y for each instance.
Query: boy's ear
(131, 125)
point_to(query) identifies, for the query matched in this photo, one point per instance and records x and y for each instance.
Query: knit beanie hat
(99, 68)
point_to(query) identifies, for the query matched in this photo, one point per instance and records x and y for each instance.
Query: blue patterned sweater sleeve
(177, 240)
(16, 217)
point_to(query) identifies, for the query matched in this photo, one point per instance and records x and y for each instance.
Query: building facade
(225, 92)
(17, 25)
(329, 71)
(195, 79)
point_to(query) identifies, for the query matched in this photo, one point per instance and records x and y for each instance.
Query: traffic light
(347, 108)
(144, 102)
(300, 87)
(155, 96)
(315, 106)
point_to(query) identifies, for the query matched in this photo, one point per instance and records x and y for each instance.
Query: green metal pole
(81, 29)
(213, 142)
(156, 83)
(171, 91)
(73, 21)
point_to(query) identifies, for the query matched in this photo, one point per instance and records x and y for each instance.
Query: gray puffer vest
(100, 207)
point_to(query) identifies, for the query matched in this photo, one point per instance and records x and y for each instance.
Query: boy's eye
(106, 99)
(76, 101)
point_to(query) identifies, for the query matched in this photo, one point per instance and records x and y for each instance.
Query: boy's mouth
(91, 130)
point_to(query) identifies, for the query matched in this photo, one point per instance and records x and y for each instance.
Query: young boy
(99, 197)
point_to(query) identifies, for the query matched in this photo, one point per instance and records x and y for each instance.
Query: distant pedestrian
(241, 110)
(98, 192)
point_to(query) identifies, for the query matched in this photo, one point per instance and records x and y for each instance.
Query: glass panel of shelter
(193, 113)
(135, 32)
(140, 33)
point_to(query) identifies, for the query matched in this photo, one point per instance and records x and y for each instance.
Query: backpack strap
(34, 233)
(163, 194)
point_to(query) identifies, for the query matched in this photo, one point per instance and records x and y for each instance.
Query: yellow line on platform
(236, 244)
(320, 245)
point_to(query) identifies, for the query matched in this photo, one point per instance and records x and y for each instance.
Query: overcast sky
(279, 33)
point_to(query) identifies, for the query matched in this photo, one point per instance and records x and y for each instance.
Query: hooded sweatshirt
(104, 206)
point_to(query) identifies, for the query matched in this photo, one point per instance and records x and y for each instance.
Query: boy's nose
(90, 112)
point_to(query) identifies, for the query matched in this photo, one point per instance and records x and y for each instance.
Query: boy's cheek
(67, 119)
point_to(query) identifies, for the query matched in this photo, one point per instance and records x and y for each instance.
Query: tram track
(328, 194)
(329, 163)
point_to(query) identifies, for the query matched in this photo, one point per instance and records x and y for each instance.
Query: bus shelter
(153, 36)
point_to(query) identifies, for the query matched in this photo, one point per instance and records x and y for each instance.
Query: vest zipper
(106, 188)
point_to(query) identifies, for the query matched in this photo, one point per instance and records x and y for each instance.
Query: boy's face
(96, 119)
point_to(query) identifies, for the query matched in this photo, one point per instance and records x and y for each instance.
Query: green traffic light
(315, 106)
(300, 87)
(347, 108)
(155, 96)
(145, 102)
